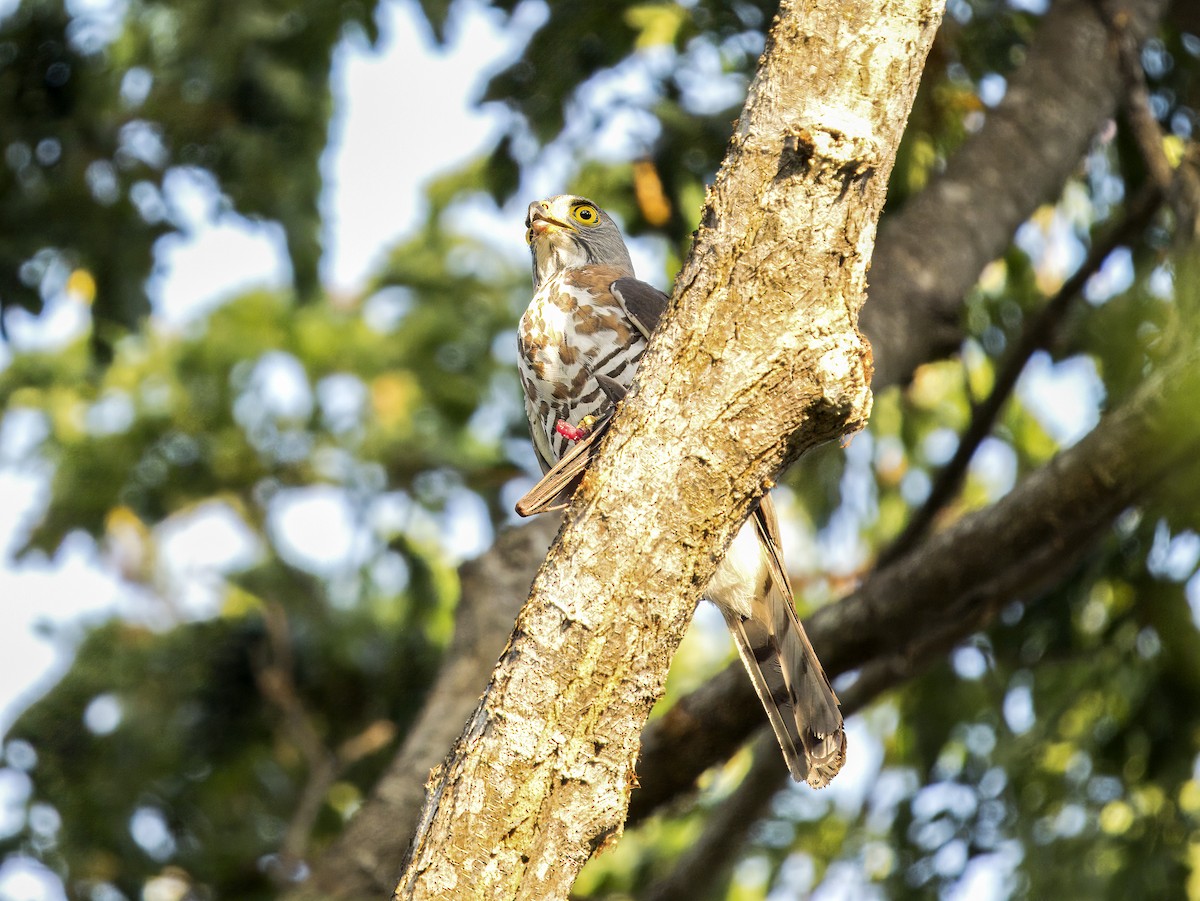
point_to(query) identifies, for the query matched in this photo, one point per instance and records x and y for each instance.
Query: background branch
(706, 861)
(364, 862)
(955, 580)
(932, 250)
(705, 864)
(276, 684)
(1180, 185)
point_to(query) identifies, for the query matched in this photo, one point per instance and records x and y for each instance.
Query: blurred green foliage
(177, 426)
(92, 121)
(1058, 751)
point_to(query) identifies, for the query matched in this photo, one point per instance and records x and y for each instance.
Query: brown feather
(789, 679)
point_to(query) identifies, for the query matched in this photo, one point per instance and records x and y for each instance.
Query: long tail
(786, 673)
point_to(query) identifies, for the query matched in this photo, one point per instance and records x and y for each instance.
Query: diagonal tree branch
(759, 358)
(904, 311)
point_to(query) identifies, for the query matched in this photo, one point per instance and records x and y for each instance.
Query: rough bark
(931, 252)
(759, 359)
(904, 312)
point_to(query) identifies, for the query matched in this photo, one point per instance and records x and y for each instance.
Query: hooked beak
(541, 222)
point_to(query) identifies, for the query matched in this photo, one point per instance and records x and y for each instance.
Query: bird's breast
(569, 333)
(573, 330)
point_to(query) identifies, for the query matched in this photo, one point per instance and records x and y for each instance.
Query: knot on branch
(840, 147)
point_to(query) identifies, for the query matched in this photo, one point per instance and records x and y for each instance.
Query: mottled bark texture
(759, 359)
(910, 319)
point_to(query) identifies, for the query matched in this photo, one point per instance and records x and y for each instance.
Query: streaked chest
(573, 328)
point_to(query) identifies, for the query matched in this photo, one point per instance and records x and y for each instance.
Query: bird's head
(568, 231)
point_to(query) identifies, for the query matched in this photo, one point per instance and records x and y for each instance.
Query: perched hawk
(580, 341)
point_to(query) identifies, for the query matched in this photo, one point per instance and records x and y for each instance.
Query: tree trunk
(759, 359)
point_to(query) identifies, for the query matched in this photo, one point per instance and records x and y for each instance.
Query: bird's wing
(554, 489)
(541, 442)
(643, 303)
(559, 481)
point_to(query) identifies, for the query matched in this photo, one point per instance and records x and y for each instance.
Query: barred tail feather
(785, 671)
(794, 691)
(751, 642)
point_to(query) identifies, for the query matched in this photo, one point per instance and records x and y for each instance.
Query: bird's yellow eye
(585, 214)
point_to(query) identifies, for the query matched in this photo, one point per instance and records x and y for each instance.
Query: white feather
(736, 581)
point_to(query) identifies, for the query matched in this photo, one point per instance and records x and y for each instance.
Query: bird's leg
(615, 392)
(573, 432)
